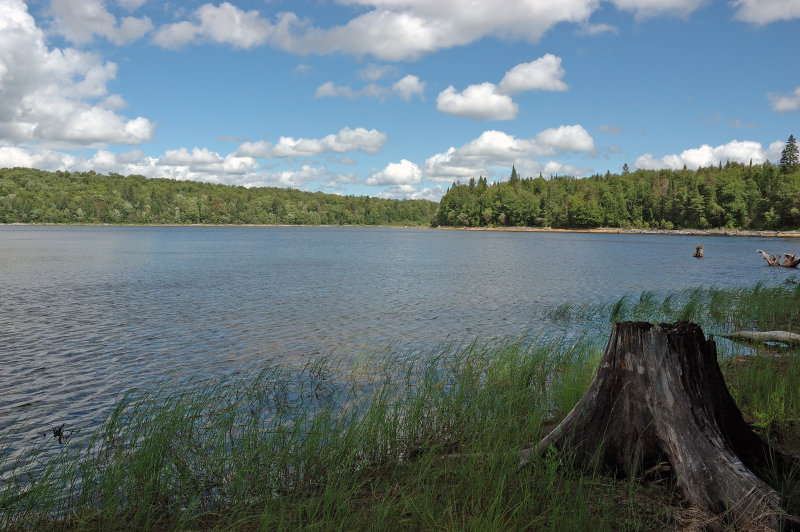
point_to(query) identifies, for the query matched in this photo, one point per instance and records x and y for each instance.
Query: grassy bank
(397, 441)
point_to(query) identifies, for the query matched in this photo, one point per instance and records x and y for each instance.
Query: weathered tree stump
(659, 396)
(698, 252)
(772, 260)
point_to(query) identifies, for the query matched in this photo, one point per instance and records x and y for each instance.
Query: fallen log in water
(783, 337)
(659, 396)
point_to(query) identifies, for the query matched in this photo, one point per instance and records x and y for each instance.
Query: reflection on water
(88, 312)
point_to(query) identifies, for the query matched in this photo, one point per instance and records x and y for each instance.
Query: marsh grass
(392, 440)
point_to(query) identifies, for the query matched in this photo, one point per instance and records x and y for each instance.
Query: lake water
(88, 312)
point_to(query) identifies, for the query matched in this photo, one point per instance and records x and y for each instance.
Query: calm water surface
(88, 312)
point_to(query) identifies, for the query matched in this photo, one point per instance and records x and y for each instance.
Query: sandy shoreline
(600, 230)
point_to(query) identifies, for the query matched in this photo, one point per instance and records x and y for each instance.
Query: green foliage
(36, 196)
(731, 196)
(789, 157)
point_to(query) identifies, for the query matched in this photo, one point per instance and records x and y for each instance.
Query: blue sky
(394, 98)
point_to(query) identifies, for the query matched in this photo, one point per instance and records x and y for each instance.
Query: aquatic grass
(304, 448)
(388, 440)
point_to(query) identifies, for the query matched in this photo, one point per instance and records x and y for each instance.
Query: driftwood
(783, 337)
(659, 397)
(698, 252)
(772, 260)
(790, 261)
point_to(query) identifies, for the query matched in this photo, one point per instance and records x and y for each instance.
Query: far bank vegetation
(733, 195)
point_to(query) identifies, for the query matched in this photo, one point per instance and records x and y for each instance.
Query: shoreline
(598, 230)
(633, 231)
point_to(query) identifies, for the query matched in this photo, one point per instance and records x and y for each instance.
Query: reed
(393, 440)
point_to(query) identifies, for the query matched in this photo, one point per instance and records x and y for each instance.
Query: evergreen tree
(789, 157)
(514, 176)
(625, 169)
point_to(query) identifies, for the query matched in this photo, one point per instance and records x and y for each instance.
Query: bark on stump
(659, 395)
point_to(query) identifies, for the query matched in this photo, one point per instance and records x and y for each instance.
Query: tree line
(35, 196)
(733, 195)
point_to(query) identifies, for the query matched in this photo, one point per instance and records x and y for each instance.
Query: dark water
(88, 312)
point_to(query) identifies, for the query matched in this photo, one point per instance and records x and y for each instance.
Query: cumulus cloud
(403, 173)
(544, 73)
(81, 21)
(783, 103)
(408, 87)
(487, 101)
(499, 149)
(391, 30)
(405, 88)
(197, 164)
(479, 102)
(651, 8)
(331, 90)
(225, 24)
(763, 12)
(433, 193)
(705, 155)
(358, 139)
(57, 96)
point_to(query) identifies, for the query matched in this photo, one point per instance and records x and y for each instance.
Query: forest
(733, 195)
(36, 196)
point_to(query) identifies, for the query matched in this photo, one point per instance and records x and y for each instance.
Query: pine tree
(789, 157)
(625, 169)
(514, 176)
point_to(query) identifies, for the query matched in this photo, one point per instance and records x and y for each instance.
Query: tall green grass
(394, 440)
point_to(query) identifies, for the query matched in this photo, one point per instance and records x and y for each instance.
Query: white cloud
(783, 103)
(331, 90)
(651, 8)
(403, 173)
(433, 193)
(226, 24)
(597, 29)
(762, 12)
(52, 95)
(81, 21)
(358, 139)
(705, 155)
(488, 101)
(566, 138)
(199, 164)
(544, 73)
(373, 72)
(392, 30)
(497, 149)
(479, 102)
(408, 87)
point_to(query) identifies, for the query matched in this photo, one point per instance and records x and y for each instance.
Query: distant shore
(619, 230)
(600, 230)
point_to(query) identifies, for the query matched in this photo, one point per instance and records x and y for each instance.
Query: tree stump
(659, 396)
